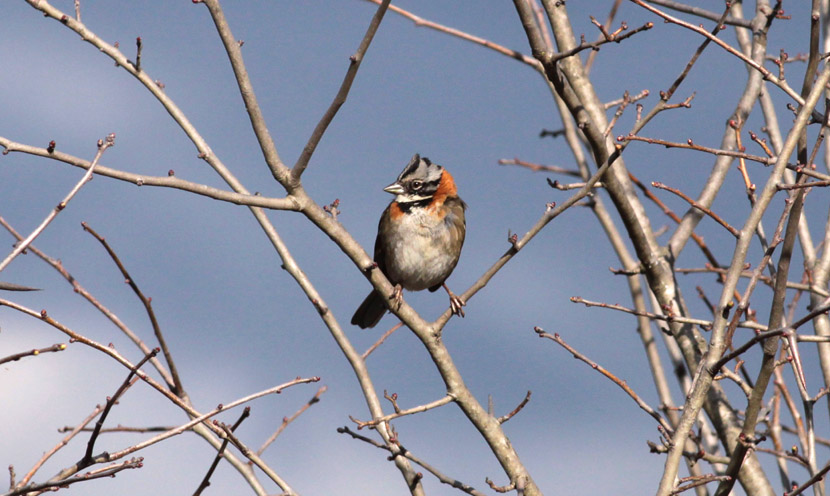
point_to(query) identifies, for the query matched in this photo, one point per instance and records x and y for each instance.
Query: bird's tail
(369, 312)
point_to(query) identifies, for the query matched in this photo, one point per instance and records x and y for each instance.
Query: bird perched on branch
(420, 236)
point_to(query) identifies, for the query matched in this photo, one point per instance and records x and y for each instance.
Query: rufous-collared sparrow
(420, 236)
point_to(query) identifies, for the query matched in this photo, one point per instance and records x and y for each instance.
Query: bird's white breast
(417, 254)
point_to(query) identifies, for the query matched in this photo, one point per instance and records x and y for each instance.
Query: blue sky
(237, 323)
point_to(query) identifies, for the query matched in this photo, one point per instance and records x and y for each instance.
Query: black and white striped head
(417, 182)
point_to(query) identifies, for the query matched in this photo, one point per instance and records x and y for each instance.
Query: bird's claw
(455, 305)
(455, 302)
(397, 296)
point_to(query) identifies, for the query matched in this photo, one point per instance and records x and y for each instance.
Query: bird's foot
(456, 303)
(397, 296)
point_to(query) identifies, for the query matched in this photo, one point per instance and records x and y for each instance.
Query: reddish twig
(421, 22)
(811, 184)
(812, 480)
(500, 489)
(393, 398)
(246, 412)
(148, 307)
(539, 167)
(287, 420)
(619, 382)
(656, 316)
(690, 145)
(381, 340)
(505, 418)
(698, 206)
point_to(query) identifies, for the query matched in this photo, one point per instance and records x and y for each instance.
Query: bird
(420, 235)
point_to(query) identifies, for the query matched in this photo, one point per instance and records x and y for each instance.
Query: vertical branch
(246, 90)
(702, 385)
(770, 345)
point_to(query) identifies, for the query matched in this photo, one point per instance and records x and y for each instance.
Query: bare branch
(206, 480)
(409, 411)
(505, 418)
(111, 401)
(103, 144)
(178, 389)
(707, 324)
(340, 98)
(287, 420)
(108, 471)
(698, 206)
(409, 455)
(169, 181)
(619, 382)
(36, 352)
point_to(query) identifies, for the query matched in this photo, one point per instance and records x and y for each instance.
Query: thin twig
(594, 45)
(812, 480)
(519, 407)
(421, 22)
(103, 144)
(168, 181)
(287, 420)
(36, 352)
(698, 481)
(256, 460)
(539, 167)
(206, 479)
(812, 184)
(619, 382)
(748, 324)
(747, 60)
(79, 289)
(410, 456)
(765, 279)
(111, 401)
(381, 340)
(690, 145)
(178, 389)
(63, 442)
(409, 411)
(712, 16)
(342, 94)
(698, 206)
(108, 471)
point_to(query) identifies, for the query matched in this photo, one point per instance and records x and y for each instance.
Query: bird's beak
(394, 188)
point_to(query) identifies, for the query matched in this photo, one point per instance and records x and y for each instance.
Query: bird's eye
(417, 184)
